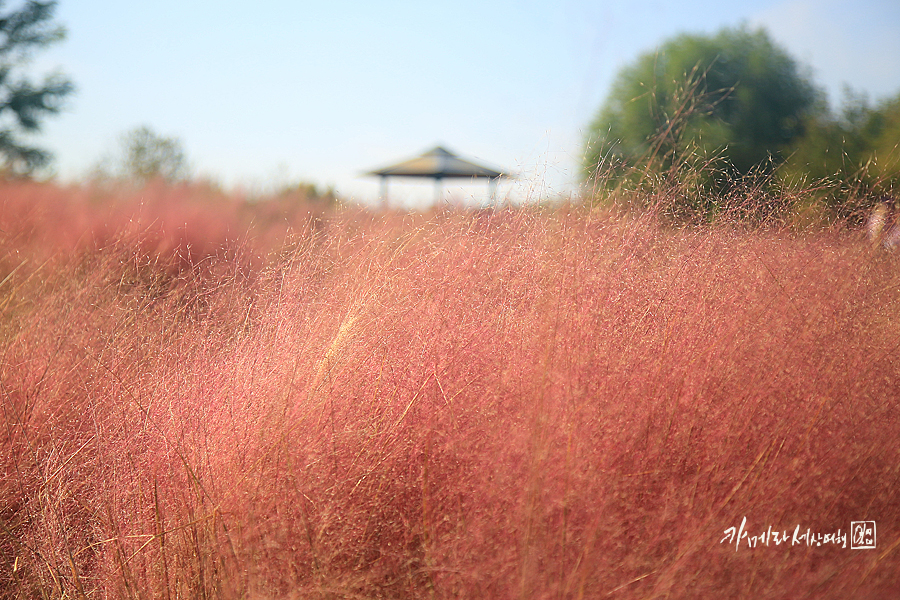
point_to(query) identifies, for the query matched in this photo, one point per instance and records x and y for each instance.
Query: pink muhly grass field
(511, 404)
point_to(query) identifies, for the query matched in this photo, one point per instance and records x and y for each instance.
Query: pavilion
(439, 164)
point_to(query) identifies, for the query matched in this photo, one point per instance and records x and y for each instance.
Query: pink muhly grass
(511, 404)
(190, 220)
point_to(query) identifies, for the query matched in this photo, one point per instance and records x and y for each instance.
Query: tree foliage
(851, 154)
(147, 155)
(735, 98)
(23, 103)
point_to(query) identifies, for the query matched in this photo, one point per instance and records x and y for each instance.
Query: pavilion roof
(439, 163)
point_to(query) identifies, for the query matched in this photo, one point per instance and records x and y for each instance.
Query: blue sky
(276, 91)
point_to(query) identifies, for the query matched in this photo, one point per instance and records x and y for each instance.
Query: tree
(734, 98)
(148, 155)
(860, 137)
(23, 104)
(850, 157)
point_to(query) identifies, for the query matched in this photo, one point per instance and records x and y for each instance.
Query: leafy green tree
(851, 158)
(735, 99)
(148, 155)
(24, 104)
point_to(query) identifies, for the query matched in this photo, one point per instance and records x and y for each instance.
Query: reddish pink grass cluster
(517, 404)
(190, 221)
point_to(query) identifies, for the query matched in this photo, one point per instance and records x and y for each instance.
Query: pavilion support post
(492, 190)
(437, 190)
(384, 191)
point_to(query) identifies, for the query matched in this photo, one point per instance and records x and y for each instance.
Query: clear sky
(281, 91)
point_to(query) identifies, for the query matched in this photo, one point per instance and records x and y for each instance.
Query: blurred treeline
(732, 122)
(853, 150)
